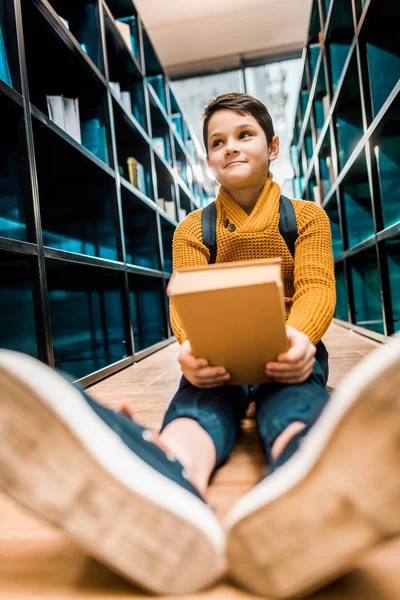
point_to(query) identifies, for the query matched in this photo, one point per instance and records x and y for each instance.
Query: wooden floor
(37, 561)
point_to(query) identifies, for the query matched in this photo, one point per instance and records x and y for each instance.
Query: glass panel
(76, 198)
(140, 229)
(348, 114)
(12, 152)
(357, 202)
(17, 319)
(92, 336)
(381, 34)
(387, 149)
(333, 214)
(148, 311)
(367, 291)
(393, 252)
(341, 311)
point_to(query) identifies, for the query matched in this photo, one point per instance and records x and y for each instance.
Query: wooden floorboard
(39, 562)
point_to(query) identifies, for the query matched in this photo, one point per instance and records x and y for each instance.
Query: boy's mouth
(235, 162)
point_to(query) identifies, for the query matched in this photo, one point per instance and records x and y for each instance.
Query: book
(136, 174)
(126, 101)
(159, 146)
(71, 116)
(181, 214)
(55, 107)
(94, 138)
(114, 85)
(5, 74)
(317, 195)
(170, 209)
(233, 315)
(125, 31)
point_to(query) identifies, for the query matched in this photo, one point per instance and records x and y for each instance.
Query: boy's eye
(245, 133)
(216, 143)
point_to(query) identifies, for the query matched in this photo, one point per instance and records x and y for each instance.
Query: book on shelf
(66, 23)
(326, 106)
(212, 303)
(170, 209)
(316, 195)
(181, 214)
(115, 86)
(94, 138)
(159, 145)
(331, 171)
(136, 174)
(161, 203)
(131, 22)
(126, 101)
(64, 112)
(125, 31)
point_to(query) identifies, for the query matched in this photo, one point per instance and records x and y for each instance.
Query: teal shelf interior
(348, 114)
(386, 141)
(342, 300)
(83, 22)
(321, 101)
(380, 33)
(339, 38)
(167, 234)
(9, 62)
(356, 195)
(12, 150)
(147, 307)
(17, 317)
(76, 198)
(140, 232)
(393, 254)
(333, 214)
(367, 290)
(92, 336)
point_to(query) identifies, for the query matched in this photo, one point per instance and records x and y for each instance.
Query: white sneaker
(337, 497)
(98, 476)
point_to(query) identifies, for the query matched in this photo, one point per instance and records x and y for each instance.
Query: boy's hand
(197, 371)
(295, 365)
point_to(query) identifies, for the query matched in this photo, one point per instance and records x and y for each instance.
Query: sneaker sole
(336, 498)
(75, 472)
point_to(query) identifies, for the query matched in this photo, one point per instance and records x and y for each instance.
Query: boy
(134, 499)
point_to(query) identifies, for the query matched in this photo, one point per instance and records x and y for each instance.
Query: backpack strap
(287, 223)
(209, 230)
(287, 226)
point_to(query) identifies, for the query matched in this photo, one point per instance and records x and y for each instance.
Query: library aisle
(39, 562)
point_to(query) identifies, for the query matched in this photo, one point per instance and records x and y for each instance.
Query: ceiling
(208, 35)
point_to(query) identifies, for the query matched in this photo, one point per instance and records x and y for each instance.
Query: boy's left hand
(295, 365)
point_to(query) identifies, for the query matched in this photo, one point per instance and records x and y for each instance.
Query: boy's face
(238, 152)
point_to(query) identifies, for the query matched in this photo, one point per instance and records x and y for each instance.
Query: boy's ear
(274, 148)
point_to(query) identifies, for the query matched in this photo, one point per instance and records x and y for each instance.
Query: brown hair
(241, 104)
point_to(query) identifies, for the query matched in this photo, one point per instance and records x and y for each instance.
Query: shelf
(83, 21)
(65, 73)
(380, 35)
(367, 290)
(166, 189)
(160, 132)
(339, 38)
(355, 190)
(154, 71)
(140, 232)
(386, 143)
(176, 115)
(14, 155)
(148, 314)
(315, 24)
(348, 114)
(342, 300)
(334, 218)
(9, 62)
(131, 144)
(92, 336)
(393, 254)
(321, 103)
(76, 198)
(17, 316)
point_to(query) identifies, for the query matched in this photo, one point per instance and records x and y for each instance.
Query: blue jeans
(220, 410)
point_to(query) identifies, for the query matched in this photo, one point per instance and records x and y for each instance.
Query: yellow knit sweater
(309, 281)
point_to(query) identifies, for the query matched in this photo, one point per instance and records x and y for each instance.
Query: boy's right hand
(197, 371)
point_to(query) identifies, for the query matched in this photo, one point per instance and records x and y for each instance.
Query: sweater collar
(263, 213)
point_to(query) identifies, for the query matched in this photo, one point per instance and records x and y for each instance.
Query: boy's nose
(231, 150)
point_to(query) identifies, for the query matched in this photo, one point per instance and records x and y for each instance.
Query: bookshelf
(90, 191)
(345, 152)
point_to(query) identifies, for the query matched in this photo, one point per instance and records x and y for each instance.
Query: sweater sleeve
(314, 278)
(188, 250)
